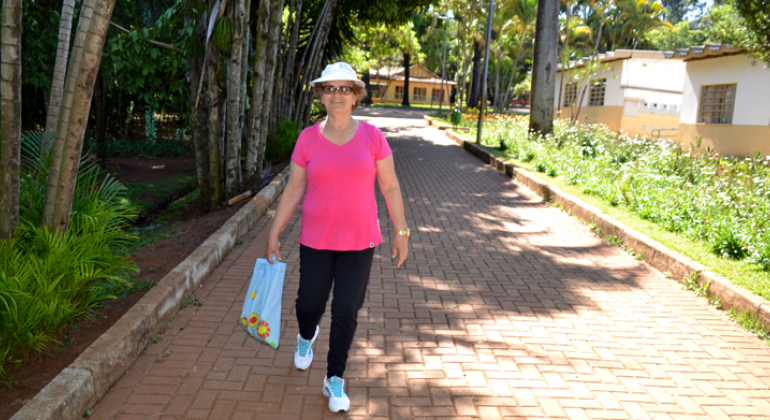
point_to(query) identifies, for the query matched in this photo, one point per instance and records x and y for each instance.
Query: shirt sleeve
(381, 146)
(299, 156)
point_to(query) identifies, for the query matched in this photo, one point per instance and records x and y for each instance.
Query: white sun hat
(338, 71)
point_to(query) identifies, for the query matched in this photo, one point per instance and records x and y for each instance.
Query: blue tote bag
(261, 313)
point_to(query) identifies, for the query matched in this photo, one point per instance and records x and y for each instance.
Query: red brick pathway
(507, 308)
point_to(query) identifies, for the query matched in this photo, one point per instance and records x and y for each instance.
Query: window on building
(596, 97)
(717, 103)
(570, 94)
(436, 94)
(377, 90)
(419, 94)
(399, 92)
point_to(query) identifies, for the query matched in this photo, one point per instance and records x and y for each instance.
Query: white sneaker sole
(336, 409)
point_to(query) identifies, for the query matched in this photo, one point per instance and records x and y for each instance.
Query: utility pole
(483, 105)
(443, 61)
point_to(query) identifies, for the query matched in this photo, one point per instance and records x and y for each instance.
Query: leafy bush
(48, 280)
(285, 139)
(723, 202)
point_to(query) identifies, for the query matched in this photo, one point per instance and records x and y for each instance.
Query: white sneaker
(303, 354)
(334, 388)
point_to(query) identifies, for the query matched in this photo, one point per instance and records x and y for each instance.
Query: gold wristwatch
(403, 232)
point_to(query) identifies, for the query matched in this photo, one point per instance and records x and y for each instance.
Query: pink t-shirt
(340, 210)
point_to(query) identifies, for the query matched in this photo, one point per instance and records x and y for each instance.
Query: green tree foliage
(48, 280)
(665, 39)
(754, 32)
(677, 9)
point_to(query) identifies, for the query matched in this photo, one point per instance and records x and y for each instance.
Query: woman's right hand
(273, 247)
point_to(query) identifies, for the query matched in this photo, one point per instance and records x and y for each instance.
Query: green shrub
(722, 202)
(48, 280)
(285, 138)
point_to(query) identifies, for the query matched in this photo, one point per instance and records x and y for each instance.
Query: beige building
(387, 85)
(636, 92)
(726, 100)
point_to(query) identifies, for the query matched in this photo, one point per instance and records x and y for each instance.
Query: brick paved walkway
(507, 308)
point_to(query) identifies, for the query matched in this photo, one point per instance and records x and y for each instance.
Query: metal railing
(661, 131)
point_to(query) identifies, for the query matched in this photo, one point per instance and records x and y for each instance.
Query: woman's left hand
(400, 249)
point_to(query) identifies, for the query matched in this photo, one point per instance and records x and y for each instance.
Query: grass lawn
(739, 272)
(147, 196)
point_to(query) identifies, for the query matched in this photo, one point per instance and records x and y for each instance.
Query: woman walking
(335, 164)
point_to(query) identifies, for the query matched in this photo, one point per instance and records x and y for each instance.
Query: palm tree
(522, 26)
(10, 119)
(631, 19)
(544, 66)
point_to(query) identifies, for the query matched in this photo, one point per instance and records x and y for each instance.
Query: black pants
(349, 272)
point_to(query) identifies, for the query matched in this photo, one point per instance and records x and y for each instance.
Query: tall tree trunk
(200, 130)
(513, 73)
(101, 120)
(312, 47)
(565, 50)
(81, 106)
(274, 40)
(366, 78)
(60, 66)
(288, 93)
(473, 97)
(407, 64)
(497, 85)
(243, 117)
(215, 150)
(275, 113)
(70, 87)
(234, 82)
(261, 37)
(10, 118)
(283, 53)
(544, 66)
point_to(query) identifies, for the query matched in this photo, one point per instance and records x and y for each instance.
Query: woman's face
(337, 101)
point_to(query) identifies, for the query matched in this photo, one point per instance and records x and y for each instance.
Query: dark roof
(706, 51)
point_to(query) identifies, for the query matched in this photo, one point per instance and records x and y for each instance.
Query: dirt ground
(156, 260)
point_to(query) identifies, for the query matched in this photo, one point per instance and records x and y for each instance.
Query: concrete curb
(654, 253)
(79, 386)
(441, 125)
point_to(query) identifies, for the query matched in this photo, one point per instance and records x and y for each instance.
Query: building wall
(656, 79)
(750, 130)
(607, 115)
(644, 124)
(390, 93)
(728, 140)
(613, 94)
(752, 106)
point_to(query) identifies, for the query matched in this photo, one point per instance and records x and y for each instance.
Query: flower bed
(723, 202)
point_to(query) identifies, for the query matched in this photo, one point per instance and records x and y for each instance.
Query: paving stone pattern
(507, 308)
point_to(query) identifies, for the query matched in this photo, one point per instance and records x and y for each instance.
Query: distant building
(424, 86)
(636, 92)
(726, 100)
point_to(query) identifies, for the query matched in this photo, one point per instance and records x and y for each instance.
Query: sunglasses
(343, 90)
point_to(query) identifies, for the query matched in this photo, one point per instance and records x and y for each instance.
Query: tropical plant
(681, 36)
(49, 279)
